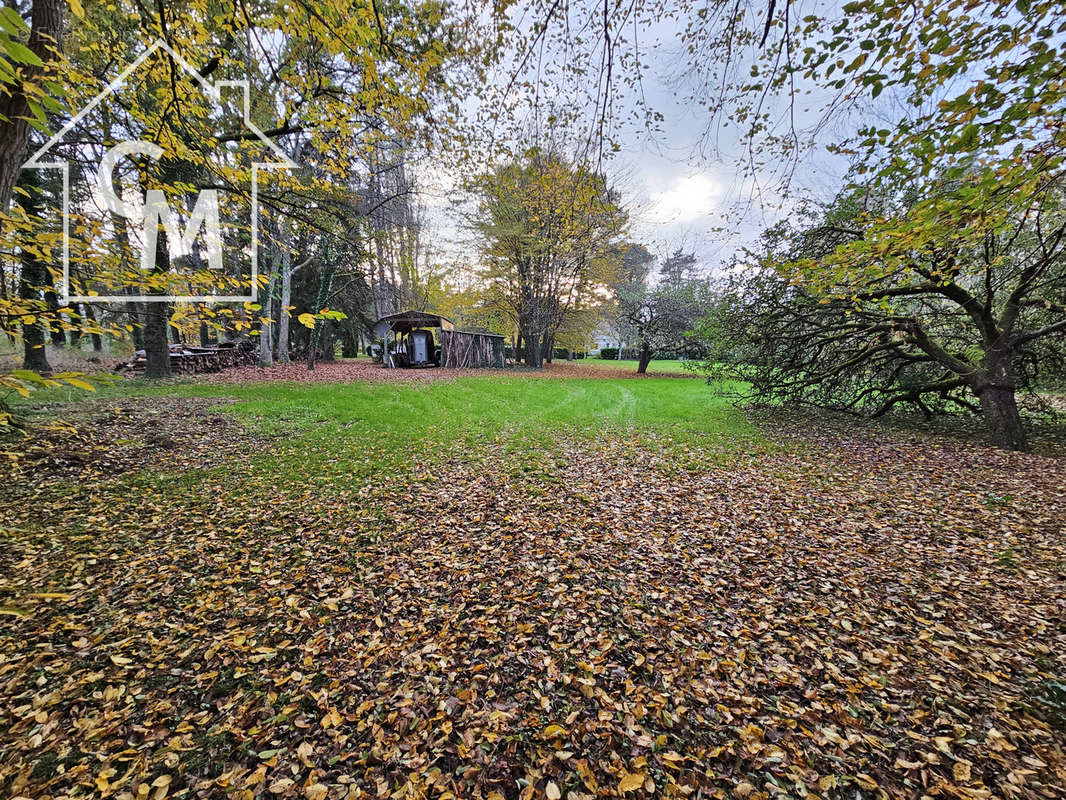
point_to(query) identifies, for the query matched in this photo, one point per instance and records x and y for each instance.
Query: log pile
(187, 359)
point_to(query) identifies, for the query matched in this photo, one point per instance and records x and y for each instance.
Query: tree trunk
(1000, 410)
(34, 355)
(51, 299)
(645, 357)
(94, 331)
(325, 282)
(282, 348)
(78, 322)
(46, 34)
(533, 353)
(32, 277)
(156, 350)
(266, 330)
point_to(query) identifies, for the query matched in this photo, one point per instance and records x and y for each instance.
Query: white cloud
(689, 198)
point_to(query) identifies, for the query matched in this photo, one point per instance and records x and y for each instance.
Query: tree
(931, 303)
(677, 269)
(25, 73)
(549, 228)
(662, 318)
(339, 79)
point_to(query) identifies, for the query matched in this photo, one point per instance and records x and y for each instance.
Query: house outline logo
(213, 92)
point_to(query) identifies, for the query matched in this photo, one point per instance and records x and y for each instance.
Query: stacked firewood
(187, 359)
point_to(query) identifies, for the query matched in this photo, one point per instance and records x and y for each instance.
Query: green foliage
(550, 229)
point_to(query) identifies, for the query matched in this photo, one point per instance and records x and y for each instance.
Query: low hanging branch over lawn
(926, 304)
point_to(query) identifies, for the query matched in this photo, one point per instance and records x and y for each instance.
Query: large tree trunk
(645, 357)
(156, 349)
(534, 353)
(46, 31)
(1000, 410)
(327, 341)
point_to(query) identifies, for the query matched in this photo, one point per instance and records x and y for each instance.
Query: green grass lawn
(359, 428)
(358, 432)
(522, 415)
(628, 364)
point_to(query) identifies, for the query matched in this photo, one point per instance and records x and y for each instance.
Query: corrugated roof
(405, 321)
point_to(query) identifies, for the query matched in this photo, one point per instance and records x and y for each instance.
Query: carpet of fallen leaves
(99, 439)
(850, 615)
(364, 369)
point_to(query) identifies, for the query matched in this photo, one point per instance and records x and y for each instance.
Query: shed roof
(405, 321)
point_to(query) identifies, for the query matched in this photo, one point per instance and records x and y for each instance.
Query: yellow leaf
(554, 730)
(961, 771)
(162, 780)
(631, 781)
(307, 320)
(81, 384)
(76, 8)
(865, 781)
(13, 612)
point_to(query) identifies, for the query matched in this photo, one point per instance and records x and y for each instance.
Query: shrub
(609, 352)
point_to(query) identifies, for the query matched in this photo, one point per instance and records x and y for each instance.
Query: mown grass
(630, 365)
(349, 430)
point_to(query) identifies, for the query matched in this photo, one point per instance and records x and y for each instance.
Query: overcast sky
(678, 194)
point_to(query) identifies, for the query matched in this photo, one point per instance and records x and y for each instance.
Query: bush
(562, 354)
(609, 352)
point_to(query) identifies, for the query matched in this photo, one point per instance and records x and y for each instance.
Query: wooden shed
(410, 342)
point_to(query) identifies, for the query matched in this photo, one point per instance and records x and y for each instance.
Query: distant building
(603, 337)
